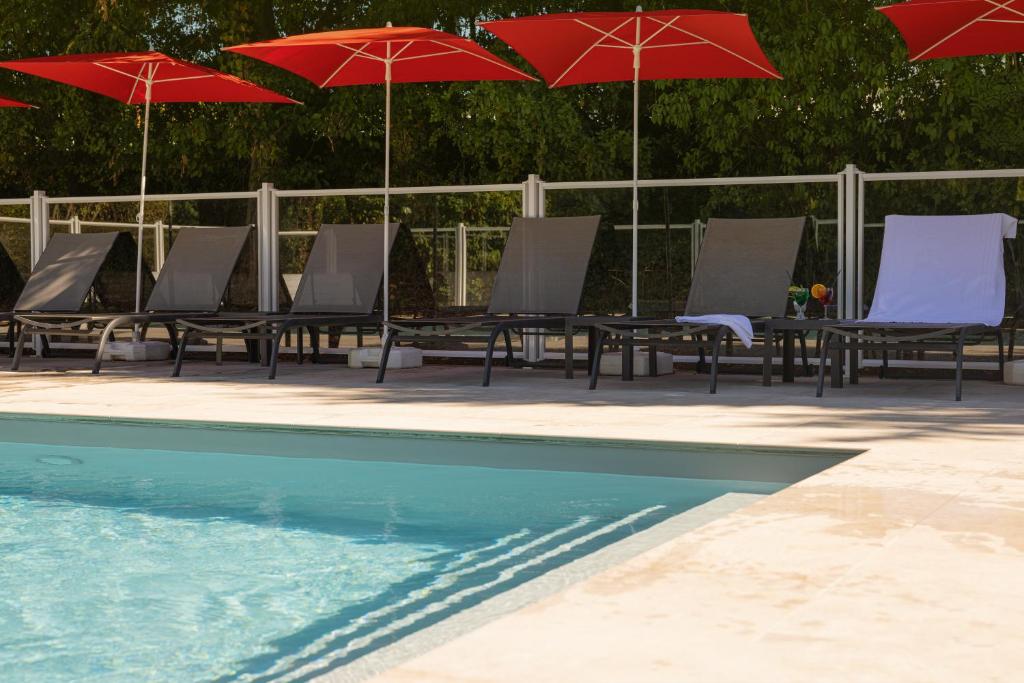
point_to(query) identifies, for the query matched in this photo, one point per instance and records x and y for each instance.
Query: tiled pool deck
(904, 563)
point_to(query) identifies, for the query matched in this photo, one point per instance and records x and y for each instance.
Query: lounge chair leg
(569, 348)
(715, 352)
(591, 340)
(10, 339)
(389, 340)
(274, 350)
(102, 346)
(314, 344)
(701, 359)
(960, 341)
(492, 340)
(509, 357)
(172, 335)
(299, 351)
(652, 361)
(826, 338)
(180, 357)
(1002, 358)
(595, 368)
(19, 349)
(45, 342)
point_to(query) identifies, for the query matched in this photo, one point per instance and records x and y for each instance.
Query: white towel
(942, 269)
(739, 324)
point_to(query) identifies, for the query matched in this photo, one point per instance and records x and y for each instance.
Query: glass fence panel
(607, 290)
(672, 221)
(445, 256)
(15, 253)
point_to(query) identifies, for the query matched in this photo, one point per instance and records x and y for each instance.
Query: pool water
(159, 565)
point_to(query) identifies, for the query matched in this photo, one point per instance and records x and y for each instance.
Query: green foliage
(849, 96)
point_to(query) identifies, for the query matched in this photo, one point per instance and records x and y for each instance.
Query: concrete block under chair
(137, 350)
(611, 364)
(399, 358)
(1013, 373)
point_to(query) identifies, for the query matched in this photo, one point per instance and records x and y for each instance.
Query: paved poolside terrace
(902, 563)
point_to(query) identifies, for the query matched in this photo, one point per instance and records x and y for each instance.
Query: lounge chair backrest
(344, 271)
(197, 269)
(65, 272)
(544, 265)
(745, 267)
(942, 269)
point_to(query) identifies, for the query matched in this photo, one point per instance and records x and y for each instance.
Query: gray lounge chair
(340, 286)
(60, 283)
(941, 285)
(744, 268)
(191, 282)
(537, 291)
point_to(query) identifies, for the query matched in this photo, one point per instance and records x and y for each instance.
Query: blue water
(127, 565)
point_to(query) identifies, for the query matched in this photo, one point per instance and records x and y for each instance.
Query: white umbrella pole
(142, 202)
(387, 179)
(636, 173)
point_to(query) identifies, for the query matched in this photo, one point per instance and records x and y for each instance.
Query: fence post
(851, 229)
(38, 237)
(159, 246)
(852, 249)
(461, 264)
(533, 207)
(267, 251)
(39, 225)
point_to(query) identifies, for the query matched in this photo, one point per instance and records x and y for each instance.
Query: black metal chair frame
(268, 329)
(87, 326)
(851, 338)
(476, 329)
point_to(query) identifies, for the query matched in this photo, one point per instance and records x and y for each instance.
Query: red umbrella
(386, 55)
(4, 102)
(599, 47)
(958, 28)
(143, 78)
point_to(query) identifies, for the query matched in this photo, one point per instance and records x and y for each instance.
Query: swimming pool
(130, 552)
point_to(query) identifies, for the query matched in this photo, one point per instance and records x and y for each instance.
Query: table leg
(854, 350)
(627, 359)
(788, 353)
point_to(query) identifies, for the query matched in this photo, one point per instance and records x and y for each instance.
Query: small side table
(789, 328)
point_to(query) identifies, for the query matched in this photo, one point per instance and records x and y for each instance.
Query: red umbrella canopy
(360, 57)
(4, 102)
(123, 76)
(599, 47)
(958, 28)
